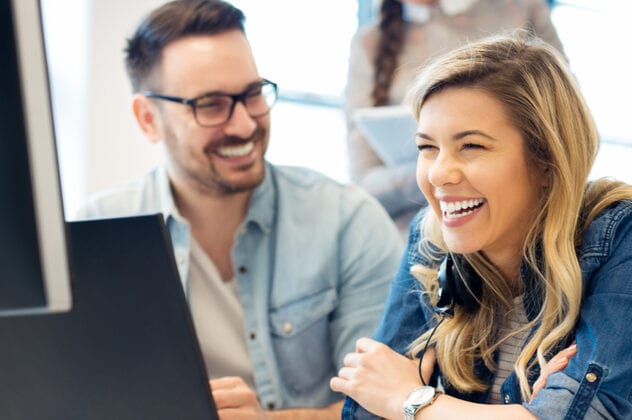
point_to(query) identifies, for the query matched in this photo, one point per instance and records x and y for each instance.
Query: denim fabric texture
(597, 383)
(313, 259)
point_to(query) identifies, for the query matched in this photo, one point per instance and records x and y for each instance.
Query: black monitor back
(126, 350)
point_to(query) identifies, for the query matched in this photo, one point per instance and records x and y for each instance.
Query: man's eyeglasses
(216, 108)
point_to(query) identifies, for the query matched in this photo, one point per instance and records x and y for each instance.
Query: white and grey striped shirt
(510, 349)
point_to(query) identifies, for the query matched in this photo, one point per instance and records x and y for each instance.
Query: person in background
(517, 257)
(384, 58)
(283, 267)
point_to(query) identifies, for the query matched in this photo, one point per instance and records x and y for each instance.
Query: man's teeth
(456, 209)
(236, 151)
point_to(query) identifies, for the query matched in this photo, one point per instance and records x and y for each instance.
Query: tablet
(390, 130)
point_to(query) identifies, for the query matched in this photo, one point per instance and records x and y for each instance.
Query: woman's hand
(556, 364)
(380, 379)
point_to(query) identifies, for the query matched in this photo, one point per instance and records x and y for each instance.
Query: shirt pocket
(301, 340)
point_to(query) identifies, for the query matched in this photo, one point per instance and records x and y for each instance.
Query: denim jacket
(313, 260)
(597, 383)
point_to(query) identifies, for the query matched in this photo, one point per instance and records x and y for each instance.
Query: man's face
(226, 158)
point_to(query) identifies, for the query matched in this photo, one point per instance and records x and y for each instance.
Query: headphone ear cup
(445, 277)
(459, 284)
(468, 284)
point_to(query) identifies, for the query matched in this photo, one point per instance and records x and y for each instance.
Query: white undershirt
(218, 318)
(510, 349)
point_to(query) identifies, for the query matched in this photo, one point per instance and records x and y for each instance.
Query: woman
(529, 256)
(384, 58)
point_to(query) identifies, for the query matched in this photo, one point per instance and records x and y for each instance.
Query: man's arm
(235, 400)
(330, 412)
(370, 249)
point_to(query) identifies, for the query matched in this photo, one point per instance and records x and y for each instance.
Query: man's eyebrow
(248, 87)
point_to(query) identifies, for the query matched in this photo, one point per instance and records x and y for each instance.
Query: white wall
(99, 144)
(117, 148)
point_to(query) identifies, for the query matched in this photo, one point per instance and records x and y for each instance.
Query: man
(283, 268)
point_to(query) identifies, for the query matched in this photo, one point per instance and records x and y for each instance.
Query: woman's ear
(545, 177)
(147, 117)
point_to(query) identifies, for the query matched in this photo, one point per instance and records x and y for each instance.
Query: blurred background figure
(384, 58)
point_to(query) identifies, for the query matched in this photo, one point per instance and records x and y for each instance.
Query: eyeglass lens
(216, 109)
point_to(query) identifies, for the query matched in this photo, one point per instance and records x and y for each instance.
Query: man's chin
(236, 188)
(243, 184)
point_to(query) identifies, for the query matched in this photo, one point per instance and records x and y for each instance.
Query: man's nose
(240, 124)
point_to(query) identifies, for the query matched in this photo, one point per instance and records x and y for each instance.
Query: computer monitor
(34, 269)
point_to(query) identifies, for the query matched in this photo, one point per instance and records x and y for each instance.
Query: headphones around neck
(459, 284)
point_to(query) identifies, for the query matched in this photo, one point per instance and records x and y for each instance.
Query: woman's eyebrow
(466, 133)
(423, 135)
(458, 136)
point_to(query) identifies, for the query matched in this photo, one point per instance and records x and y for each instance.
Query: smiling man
(283, 267)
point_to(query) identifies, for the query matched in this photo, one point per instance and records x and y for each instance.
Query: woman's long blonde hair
(543, 101)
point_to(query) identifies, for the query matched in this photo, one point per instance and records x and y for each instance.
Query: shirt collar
(422, 13)
(261, 208)
(455, 7)
(167, 204)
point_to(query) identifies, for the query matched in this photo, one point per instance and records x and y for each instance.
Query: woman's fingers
(556, 364)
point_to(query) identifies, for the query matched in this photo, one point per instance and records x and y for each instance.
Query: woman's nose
(445, 169)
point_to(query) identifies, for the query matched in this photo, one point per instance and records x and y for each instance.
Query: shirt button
(591, 377)
(287, 328)
(243, 230)
(242, 269)
(271, 405)
(507, 399)
(253, 335)
(180, 259)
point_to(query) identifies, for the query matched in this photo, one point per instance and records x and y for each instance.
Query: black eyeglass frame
(239, 97)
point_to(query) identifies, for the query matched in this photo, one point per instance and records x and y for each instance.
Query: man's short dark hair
(172, 21)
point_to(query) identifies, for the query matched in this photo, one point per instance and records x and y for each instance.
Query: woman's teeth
(457, 209)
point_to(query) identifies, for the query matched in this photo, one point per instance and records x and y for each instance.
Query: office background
(303, 46)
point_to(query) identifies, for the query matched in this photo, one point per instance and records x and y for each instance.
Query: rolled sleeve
(554, 402)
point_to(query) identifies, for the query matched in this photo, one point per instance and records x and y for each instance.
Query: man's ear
(147, 117)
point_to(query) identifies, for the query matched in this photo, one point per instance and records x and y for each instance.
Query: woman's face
(473, 170)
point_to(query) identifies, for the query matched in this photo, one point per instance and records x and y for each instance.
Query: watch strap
(410, 411)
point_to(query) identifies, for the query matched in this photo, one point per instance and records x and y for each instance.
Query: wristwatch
(418, 399)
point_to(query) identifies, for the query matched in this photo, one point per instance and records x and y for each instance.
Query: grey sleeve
(553, 401)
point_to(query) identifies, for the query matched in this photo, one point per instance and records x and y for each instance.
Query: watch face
(421, 396)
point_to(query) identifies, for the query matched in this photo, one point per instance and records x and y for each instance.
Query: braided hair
(390, 44)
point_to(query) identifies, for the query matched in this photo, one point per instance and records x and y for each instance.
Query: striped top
(510, 349)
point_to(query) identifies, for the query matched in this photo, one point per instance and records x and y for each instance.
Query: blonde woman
(516, 284)
(384, 58)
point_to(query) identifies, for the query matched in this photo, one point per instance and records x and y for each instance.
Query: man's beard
(211, 180)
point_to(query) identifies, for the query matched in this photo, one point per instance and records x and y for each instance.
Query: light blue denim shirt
(313, 259)
(597, 383)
